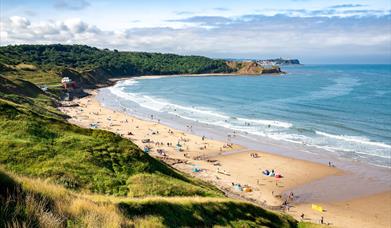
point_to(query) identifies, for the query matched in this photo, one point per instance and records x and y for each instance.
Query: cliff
(252, 68)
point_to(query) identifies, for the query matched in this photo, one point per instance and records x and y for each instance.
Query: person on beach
(321, 220)
(291, 196)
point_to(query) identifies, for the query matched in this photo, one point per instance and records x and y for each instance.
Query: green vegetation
(40, 143)
(28, 202)
(115, 63)
(55, 174)
(144, 184)
(311, 225)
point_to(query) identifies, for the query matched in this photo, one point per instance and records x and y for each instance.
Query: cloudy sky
(315, 31)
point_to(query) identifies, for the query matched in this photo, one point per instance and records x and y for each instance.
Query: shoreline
(152, 76)
(193, 146)
(264, 188)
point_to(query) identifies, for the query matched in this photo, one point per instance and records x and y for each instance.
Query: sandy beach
(233, 168)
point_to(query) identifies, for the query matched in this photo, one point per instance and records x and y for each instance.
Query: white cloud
(244, 36)
(76, 25)
(20, 30)
(19, 22)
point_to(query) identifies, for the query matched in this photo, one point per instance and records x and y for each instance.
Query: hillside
(28, 202)
(55, 174)
(37, 141)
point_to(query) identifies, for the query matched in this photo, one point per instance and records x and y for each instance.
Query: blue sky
(315, 31)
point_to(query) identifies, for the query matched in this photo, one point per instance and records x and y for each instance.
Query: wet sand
(225, 165)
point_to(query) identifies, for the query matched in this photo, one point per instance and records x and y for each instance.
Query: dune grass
(147, 184)
(204, 212)
(33, 202)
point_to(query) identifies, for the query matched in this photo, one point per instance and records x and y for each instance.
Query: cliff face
(252, 68)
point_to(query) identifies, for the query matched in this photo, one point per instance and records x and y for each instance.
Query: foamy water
(345, 110)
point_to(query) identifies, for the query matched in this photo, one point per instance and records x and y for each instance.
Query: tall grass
(28, 202)
(146, 184)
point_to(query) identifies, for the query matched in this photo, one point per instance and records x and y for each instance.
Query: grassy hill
(55, 174)
(35, 140)
(28, 202)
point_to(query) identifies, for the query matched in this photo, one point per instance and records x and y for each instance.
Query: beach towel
(247, 190)
(316, 208)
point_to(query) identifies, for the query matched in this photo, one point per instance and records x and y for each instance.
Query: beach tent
(238, 187)
(196, 169)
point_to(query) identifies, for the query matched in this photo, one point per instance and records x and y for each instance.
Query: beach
(235, 169)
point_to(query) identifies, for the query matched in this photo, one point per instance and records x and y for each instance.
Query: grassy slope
(35, 203)
(40, 143)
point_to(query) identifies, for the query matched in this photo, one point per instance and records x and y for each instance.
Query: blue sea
(344, 110)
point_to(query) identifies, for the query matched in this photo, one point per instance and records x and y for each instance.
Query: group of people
(254, 155)
(271, 173)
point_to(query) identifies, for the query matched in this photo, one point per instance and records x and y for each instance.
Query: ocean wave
(205, 115)
(160, 105)
(355, 139)
(127, 82)
(274, 123)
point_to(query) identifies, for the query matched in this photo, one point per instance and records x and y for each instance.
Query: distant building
(68, 83)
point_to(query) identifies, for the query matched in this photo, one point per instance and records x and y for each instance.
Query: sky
(314, 31)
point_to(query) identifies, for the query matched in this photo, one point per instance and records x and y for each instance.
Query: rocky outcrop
(252, 68)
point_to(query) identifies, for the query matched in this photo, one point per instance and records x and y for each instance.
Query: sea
(343, 110)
